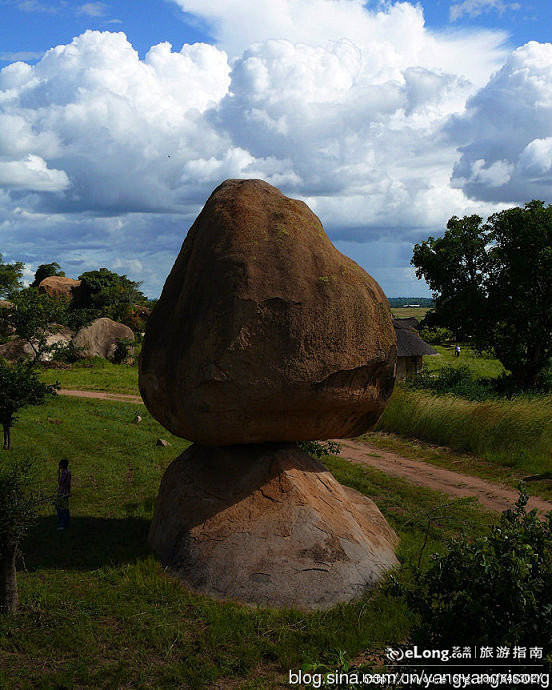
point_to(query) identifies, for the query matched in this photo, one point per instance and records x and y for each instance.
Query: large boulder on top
(268, 524)
(59, 287)
(101, 337)
(264, 331)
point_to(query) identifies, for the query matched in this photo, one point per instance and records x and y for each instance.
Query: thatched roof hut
(407, 322)
(410, 350)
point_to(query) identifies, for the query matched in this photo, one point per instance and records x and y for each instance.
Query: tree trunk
(8, 580)
(7, 437)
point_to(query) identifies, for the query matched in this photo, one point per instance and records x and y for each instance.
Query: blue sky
(117, 120)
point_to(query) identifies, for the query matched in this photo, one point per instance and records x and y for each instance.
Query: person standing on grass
(457, 350)
(64, 491)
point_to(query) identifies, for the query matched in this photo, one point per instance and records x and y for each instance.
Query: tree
(46, 271)
(32, 318)
(19, 387)
(19, 503)
(10, 277)
(493, 282)
(108, 294)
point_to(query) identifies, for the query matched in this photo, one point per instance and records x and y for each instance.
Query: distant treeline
(409, 301)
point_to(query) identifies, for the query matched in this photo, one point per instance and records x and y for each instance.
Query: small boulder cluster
(265, 335)
(98, 339)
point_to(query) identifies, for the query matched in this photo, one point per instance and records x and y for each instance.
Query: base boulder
(267, 524)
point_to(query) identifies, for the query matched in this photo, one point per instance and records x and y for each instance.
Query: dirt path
(100, 395)
(491, 496)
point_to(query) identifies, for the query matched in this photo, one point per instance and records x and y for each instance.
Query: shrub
(459, 381)
(318, 450)
(66, 352)
(435, 336)
(123, 351)
(493, 590)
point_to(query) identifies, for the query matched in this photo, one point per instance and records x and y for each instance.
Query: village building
(410, 349)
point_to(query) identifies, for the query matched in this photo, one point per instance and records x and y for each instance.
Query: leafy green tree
(454, 267)
(46, 271)
(19, 505)
(10, 277)
(493, 282)
(19, 386)
(108, 294)
(31, 317)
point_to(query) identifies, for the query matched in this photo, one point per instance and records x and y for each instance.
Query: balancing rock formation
(265, 335)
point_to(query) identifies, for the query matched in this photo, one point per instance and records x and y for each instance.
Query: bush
(123, 351)
(66, 352)
(494, 590)
(318, 450)
(435, 336)
(459, 381)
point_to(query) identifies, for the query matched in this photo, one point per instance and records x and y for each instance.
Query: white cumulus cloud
(505, 132)
(106, 157)
(32, 173)
(473, 8)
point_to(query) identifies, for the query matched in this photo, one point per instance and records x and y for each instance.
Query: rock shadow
(89, 543)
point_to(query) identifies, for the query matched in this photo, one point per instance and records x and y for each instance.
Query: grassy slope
(97, 610)
(95, 375)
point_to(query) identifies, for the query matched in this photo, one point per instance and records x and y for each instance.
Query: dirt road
(100, 395)
(491, 496)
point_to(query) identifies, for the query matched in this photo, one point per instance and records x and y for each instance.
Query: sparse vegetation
(19, 506)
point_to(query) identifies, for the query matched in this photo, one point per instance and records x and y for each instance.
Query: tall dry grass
(516, 433)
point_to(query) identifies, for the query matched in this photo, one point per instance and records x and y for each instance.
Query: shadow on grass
(538, 477)
(89, 543)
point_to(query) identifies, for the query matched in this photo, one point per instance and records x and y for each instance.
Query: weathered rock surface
(59, 287)
(100, 338)
(264, 331)
(268, 524)
(17, 348)
(60, 334)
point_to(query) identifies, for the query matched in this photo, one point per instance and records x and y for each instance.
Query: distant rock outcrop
(264, 331)
(18, 348)
(101, 337)
(59, 287)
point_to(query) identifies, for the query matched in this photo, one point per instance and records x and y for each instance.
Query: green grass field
(97, 610)
(96, 374)
(408, 312)
(487, 367)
